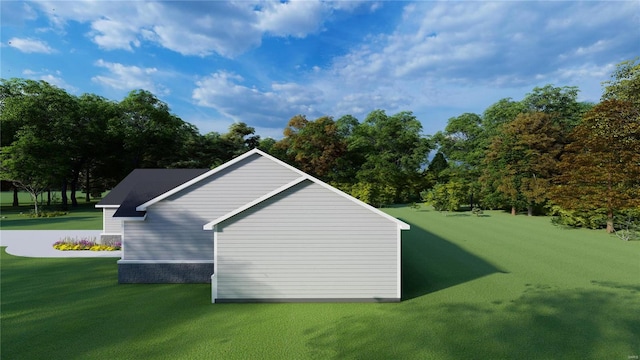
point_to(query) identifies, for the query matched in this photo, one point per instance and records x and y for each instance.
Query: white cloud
(294, 18)
(223, 91)
(29, 45)
(193, 28)
(123, 77)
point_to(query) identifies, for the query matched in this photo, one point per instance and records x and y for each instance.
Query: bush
(595, 219)
(46, 214)
(68, 243)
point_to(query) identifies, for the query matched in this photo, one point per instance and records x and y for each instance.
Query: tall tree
(522, 161)
(25, 163)
(561, 103)
(395, 152)
(152, 136)
(41, 113)
(314, 146)
(240, 138)
(463, 142)
(436, 171)
(625, 82)
(601, 168)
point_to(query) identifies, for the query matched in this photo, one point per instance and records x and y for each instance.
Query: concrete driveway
(39, 243)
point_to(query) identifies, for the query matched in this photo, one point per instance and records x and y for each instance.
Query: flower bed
(71, 244)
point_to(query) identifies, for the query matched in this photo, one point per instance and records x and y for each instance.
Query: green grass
(83, 217)
(494, 287)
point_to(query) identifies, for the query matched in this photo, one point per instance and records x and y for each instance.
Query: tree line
(547, 152)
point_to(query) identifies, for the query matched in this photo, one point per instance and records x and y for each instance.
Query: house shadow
(431, 263)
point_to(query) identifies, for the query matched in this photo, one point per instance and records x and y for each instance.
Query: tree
(24, 164)
(395, 152)
(463, 142)
(436, 171)
(502, 112)
(240, 139)
(522, 161)
(445, 196)
(625, 82)
(601, 167)
(41, 113)
(559, 102)
(313, 146)
(151, 135)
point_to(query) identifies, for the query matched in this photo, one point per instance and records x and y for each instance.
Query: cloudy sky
(261, 62)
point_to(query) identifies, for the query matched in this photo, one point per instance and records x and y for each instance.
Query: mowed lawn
(83, 217)
(493, 287)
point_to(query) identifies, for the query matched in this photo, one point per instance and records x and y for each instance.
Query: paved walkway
(39, 243)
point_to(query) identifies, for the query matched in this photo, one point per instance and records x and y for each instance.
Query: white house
(258, 229)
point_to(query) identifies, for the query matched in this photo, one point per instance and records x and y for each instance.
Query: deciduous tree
(601, 168)
(521, 162)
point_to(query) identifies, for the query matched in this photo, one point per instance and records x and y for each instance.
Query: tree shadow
(8, 224)
(543, 323)
(431, 263)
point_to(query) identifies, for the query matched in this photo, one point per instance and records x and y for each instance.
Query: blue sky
(262, 62)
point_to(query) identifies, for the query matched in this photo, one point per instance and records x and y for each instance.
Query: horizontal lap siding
(307, 243)
(173, 227)
(111, 225)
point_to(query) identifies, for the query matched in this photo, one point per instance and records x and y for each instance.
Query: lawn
(83, 217)
(493, 287)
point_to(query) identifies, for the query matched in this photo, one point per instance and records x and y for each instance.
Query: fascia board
(107, 206)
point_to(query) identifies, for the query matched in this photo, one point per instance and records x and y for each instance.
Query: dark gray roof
(142, 185)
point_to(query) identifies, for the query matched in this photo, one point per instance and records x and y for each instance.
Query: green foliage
(373, 193)
(393, 150)
(47, 214)
(599, 169)
(521, 162)
(559, 102)
(625, 82)
(594, 219)
(446, 197)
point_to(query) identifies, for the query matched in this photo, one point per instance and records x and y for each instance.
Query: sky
(262, 62)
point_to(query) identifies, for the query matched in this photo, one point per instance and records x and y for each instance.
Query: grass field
(493, 287)
(84, 217)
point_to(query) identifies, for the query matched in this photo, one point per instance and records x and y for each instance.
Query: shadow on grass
(431, 263)
(7, 224)
(71, 308)
(540, 324)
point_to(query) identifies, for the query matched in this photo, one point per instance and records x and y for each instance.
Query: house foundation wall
(165, 273)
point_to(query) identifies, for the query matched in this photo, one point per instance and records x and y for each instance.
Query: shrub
(68, 243)
(46, 214)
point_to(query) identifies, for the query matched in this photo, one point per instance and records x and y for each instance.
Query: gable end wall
(307, 243)
(173, 226)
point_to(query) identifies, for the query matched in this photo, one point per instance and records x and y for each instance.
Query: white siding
(307, 243)
(173, 227)
(111, 225)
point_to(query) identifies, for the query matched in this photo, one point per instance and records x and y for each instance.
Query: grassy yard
(493, 287)
(84, 217)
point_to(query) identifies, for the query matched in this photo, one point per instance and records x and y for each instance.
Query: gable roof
(144, 184)
(303, 176)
